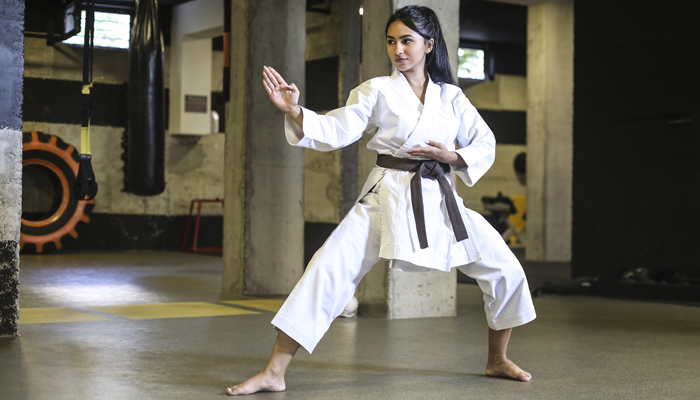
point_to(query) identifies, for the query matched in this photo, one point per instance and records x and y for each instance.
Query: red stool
(194, 247)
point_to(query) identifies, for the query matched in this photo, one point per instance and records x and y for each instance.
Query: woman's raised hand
(283, 96)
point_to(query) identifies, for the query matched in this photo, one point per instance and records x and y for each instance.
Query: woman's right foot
(259, 383)
(507, 369)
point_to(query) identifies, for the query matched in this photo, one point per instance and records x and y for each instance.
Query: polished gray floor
(578, 348)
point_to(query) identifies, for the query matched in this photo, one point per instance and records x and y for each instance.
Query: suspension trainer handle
(85, 184)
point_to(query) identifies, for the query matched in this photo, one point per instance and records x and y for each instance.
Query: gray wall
(194, 164)
(11, 68)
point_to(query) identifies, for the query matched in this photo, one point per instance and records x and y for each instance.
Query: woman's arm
(477, 145)
(336, 129)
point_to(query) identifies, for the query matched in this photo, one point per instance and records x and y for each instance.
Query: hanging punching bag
(144, 172)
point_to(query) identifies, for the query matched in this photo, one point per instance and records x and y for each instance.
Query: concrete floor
(578, 348)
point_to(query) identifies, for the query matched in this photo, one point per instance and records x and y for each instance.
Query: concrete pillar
(385, 292)
(11, 77)
(550, 86)
(264, 175)
(350, 78)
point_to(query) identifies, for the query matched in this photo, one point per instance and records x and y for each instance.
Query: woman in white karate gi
(415, 116)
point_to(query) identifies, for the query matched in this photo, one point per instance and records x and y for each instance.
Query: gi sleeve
(477, 145)
(337, 128)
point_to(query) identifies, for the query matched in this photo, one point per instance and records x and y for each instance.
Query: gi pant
(336, 269)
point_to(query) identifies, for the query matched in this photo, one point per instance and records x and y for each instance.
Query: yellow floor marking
(261, 304)
(171, 310)
(48, 315)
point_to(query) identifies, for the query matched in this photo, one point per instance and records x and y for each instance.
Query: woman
(408, 211)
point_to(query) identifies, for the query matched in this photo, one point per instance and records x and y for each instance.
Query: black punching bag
(144, 172)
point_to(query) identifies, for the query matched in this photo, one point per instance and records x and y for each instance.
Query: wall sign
(195, 104)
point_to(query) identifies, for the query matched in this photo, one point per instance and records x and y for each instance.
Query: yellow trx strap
(85, 129)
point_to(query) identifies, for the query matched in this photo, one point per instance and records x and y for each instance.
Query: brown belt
(432, 170)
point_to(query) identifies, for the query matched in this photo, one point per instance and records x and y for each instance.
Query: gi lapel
(421, 133)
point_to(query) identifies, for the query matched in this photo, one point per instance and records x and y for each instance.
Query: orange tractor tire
(60, 161)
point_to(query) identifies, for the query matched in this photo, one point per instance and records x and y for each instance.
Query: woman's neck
(418, 80)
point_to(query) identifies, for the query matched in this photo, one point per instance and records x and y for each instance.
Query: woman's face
(406, 48)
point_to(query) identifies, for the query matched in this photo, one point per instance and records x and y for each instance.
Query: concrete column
(264, 175)
(11, 77)
(550, 85)
(350, 78)
(385, 292)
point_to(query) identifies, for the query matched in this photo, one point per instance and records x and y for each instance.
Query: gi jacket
(387, 108)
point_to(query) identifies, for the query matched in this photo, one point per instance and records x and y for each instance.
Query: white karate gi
(381, 225)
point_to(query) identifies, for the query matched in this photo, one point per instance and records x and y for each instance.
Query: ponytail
(424, 21)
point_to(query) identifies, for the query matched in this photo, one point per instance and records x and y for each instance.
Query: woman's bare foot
(498, 363)
(271, 378)
(508, 369)
(262, 382)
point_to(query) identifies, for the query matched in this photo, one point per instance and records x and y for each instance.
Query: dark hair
(425, 22)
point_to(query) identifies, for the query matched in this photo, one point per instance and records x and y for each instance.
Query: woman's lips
(400, 60)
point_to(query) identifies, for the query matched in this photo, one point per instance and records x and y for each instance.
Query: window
(111, 30)
(472, 64)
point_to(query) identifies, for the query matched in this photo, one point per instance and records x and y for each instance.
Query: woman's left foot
(507, 369)
(261, 382)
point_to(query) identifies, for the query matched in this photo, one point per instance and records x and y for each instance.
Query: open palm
(283, 96)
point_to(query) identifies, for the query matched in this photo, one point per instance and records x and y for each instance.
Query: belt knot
(434, 170)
